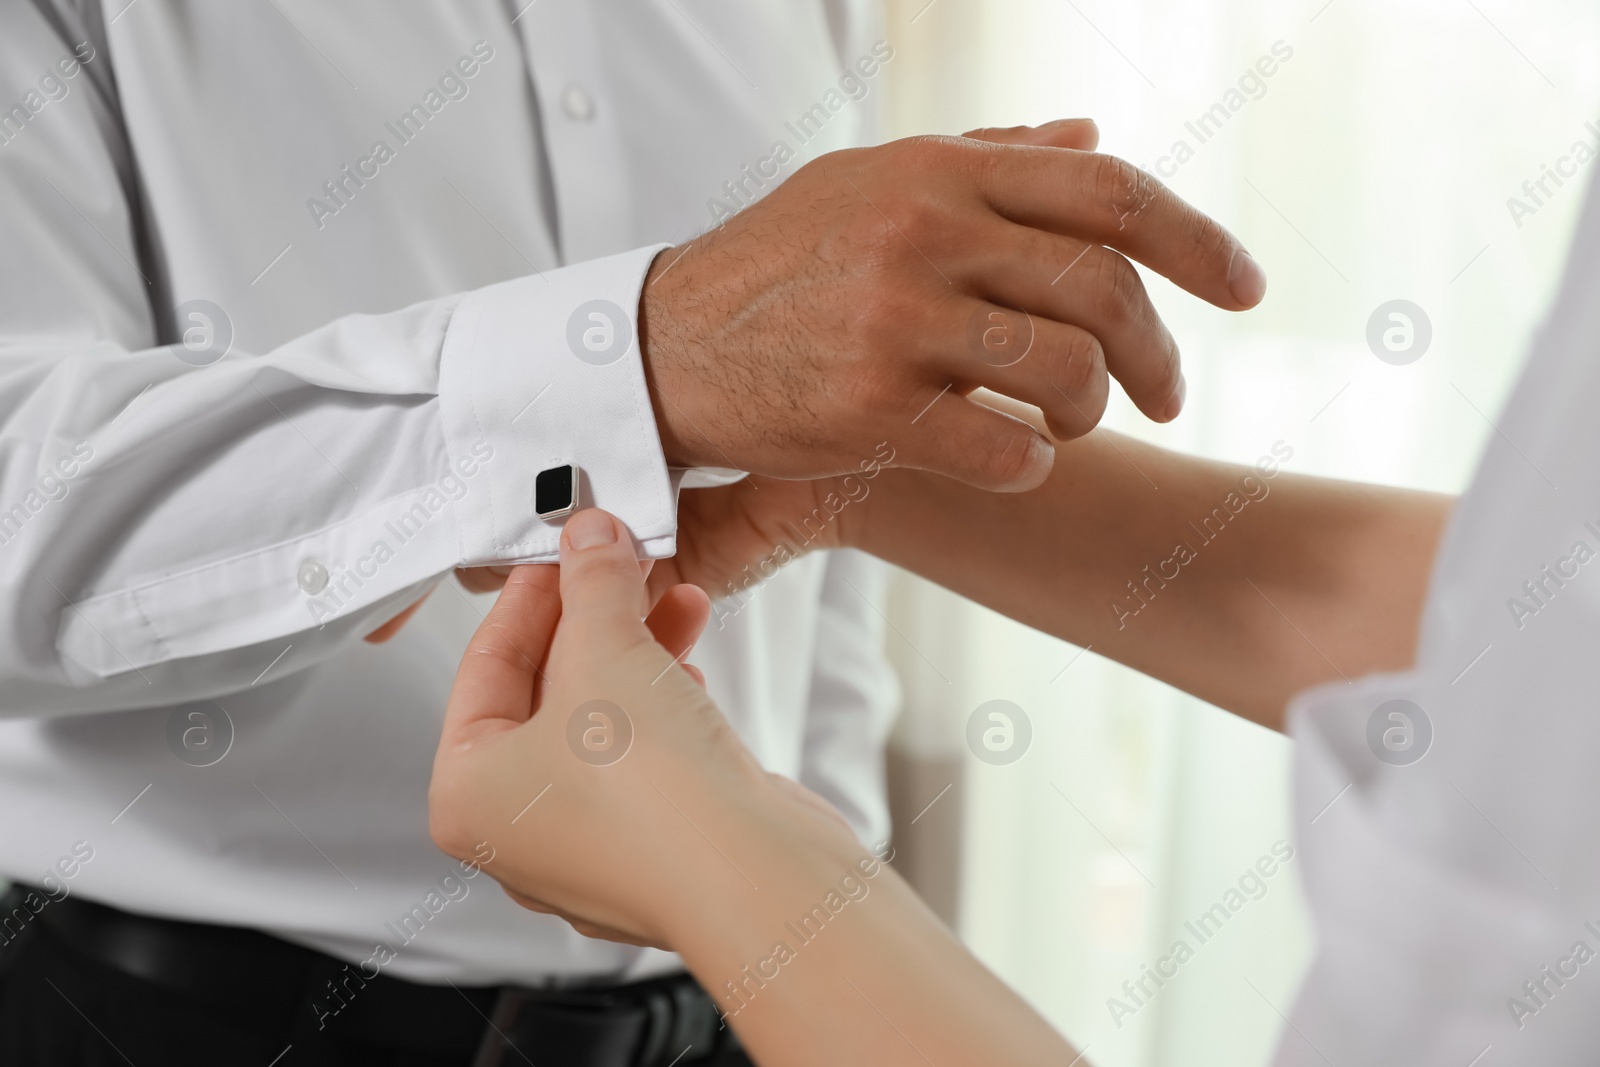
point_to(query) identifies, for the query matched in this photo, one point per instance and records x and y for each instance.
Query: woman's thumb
(602, 590)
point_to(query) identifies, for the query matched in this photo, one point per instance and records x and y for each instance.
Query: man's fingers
(977, 445)
(1078, 134)
(1096, 289)
(495, 684)
(1106, 199)
(1056, 367)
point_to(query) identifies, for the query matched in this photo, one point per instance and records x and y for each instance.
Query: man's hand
(870, 293)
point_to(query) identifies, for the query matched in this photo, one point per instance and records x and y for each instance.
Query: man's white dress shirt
(296, 299)
(1457, 896)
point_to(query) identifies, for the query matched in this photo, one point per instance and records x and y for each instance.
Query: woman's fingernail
(1041, 458)
(591, 528)
(1246, 280)
(1175, 402)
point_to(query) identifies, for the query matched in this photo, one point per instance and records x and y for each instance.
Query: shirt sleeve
(854, 695)
(178, 520)
(1447, 815)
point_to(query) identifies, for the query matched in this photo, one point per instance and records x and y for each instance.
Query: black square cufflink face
(555, 491)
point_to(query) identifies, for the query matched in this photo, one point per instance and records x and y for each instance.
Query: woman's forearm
(820, 953)
(1241, 585)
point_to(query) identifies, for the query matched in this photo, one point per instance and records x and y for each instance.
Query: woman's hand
(590, 765)
(586, 770)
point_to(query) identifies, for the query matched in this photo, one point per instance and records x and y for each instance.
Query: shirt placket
(582, 136)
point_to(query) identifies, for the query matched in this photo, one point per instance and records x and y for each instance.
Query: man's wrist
(660, 339)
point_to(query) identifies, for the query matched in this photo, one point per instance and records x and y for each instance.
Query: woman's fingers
(602, 589)
(607, 933)
(482, 579)
(602, 585)
(495, 684)
(598, 931)
(531, 903)
(604, 594)
(392, 627)
(977, 445)
(679, 617)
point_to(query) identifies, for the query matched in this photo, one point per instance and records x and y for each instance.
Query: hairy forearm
(1238, 587)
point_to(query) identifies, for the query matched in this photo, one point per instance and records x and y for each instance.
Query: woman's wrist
(857, 521)
(781, 861)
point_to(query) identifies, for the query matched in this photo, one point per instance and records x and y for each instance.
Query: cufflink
(555, 492)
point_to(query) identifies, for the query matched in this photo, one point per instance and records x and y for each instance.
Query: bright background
(1376, 165)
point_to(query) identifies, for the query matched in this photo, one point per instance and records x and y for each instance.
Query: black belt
(258, 981)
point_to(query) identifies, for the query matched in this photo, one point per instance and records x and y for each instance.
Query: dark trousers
(60, 1007)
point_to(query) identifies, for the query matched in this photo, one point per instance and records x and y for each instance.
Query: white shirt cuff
(544, 371)
(533, 373)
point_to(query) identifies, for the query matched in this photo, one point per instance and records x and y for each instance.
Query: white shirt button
(313, 577)
(578, 104)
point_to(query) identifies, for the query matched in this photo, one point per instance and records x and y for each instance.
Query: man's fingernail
(1246, 280)
(1175, 402)
(590, 528)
